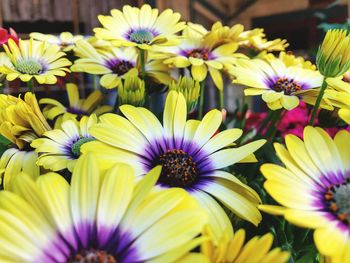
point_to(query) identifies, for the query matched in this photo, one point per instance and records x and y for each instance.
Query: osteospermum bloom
(314, 188)
(140, 27)
(192, 157)
(202, 55)
(60, 148)
(231, 249)
(66, 40)
(280, 86)
(100, 217)
(115, 64)
(21, 121)
(34, 59)
(77, 107)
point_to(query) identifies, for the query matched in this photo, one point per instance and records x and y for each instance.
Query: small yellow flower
(34, 59)
(290, 60)
(189, 88)
(65, 40)
(132, 92)
(333, 56)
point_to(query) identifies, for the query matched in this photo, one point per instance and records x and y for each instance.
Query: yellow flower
(4, 60)
(280, 85)
(65, 40)
(77, 107)
(314, 188)
(99, 217)
(60, 148)
(231, 249)
(202, 55)
(132, 92)
(140, 27)
(34, 59)
(115, 64)
(290, 60)
(333, 56)
(21, 121)
(189, 88)
(338, 93)
(192, 157)
(344, 114)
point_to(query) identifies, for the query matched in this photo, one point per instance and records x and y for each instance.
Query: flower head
(191, 156)
(60, 148)
(190, 90)
(280, 85)
(101, 217)
(140, 27)
(66, 40)
(132, 91)
(314, 187)
(34, 59)
(333, 56)
(77, 107)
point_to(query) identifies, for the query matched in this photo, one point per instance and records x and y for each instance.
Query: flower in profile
(231, 249)
(191, 156)
(59, 149)
(132, 91)
(100, 217)
(290, 60)
(333, 56)
(21, 121)
(190, 90)
(34, 59)
(77, 107)
(66, 40)
(5, 35)
(115, 64)
(314, 188)
(280, 85)
(202, 54)
(141, 27)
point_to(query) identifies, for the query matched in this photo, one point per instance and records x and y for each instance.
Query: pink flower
(5, 36)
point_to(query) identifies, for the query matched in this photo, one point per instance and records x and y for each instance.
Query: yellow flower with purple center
(66, 40)
(59, 149)
(191, 155)
(141, 27)
(280, 85)
(314, 188)
(101, 217)
(34, 59)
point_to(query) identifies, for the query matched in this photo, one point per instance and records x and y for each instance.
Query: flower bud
(132, 92)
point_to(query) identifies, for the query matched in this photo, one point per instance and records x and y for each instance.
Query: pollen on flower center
(30, 67)
(121, 67)
(141, 36)
(288, 86)
(75, 148)
(337, 198)
(199, 53)
(178, 168)
(93, 256)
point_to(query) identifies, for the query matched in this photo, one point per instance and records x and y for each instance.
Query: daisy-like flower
(115, 64)
(203, 55)
(314, 188)
(231, 249)
(59, 149)
(191, 156)
(140, 27)
(280, 85)
(21, 121)
(34, 59)
(289, 60)
(100, 217)
(77, 107)
(66, 40)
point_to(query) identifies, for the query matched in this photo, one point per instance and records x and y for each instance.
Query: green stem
(278, 124)
(95, 81)
(201, 100)
(30, 84)
(142, 54)
(221, 99)
(272, 126)
(318, 101)
(264, 123)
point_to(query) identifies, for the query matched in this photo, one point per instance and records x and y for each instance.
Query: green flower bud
(333, 56)
(189, 88)
(132, 91)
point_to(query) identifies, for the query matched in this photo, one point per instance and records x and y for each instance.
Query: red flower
(5, 36)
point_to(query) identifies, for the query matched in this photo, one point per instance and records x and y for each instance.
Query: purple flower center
(120, 67)
(92, 255)
(202, 53)
(178, 168)
(287, 86)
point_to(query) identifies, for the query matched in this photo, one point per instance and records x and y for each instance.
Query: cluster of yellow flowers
(90, 182)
